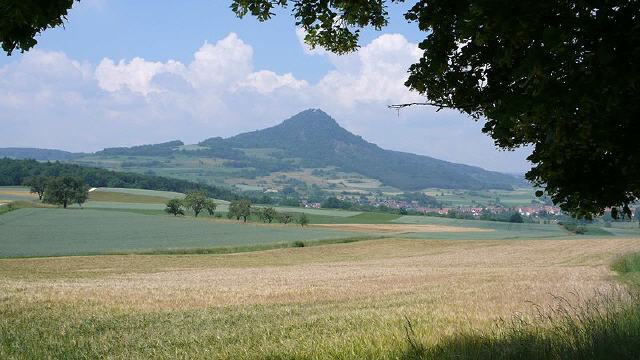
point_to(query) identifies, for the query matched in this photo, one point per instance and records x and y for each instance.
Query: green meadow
(54, 232)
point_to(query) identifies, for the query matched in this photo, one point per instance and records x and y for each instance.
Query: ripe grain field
(346, 301)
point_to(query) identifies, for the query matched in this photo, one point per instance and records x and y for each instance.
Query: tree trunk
(64, 204)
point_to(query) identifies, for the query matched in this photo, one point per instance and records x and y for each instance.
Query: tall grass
(604, 327)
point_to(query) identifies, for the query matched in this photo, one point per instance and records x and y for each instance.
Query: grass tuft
(626, 264)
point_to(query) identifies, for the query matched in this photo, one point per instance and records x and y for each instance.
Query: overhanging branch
(398, 107)
(439, 106)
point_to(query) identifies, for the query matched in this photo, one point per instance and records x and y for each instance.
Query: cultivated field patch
(47, 232)
(11, 193)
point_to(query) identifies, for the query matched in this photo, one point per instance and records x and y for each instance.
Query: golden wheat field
(482, 279)
(340, 298)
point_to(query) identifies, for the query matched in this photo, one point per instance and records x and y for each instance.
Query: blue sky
(131, 72)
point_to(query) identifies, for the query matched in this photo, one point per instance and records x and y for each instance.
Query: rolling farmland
(185, 287)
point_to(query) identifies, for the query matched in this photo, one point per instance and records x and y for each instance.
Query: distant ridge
(36, 154)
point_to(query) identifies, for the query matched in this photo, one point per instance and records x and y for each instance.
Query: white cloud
(218, 68)
(376, 73)
(135, 75)
(225, 63)
(50, 100)
(266, 82)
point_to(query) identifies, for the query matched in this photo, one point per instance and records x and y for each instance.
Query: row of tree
(270, 214)
(59, 190)
(197, 201)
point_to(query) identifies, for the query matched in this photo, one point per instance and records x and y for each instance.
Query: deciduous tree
(196, 201)
(65, 190)
(37, 185)
(210, 206)
(240, 209)
(303, 220)
(174, 207)
(268, 214)
(285, 218)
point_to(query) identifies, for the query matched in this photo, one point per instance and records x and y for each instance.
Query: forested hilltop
(38, 154)
(319, 141)
(15, 172)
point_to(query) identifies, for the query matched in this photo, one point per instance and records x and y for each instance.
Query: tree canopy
(303, 220)
(174, 207)
(240, 209)
(37, 185)
(196, 201)
(562, 76)
(22, 20)
(65, 190)
(267, 214)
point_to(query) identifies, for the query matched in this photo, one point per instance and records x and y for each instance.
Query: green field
(48, 232)
(131, 220)
(458, 197)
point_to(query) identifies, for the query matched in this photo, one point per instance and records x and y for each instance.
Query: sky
(123, 73)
